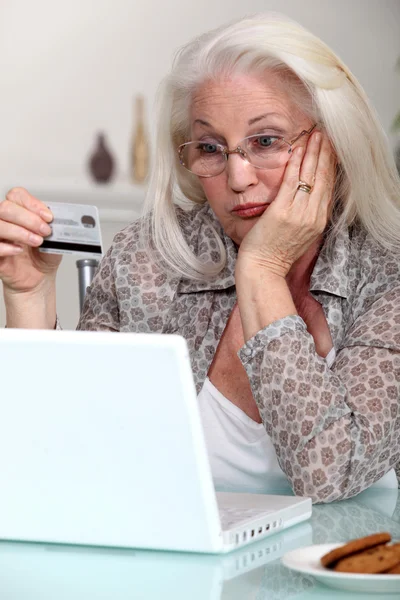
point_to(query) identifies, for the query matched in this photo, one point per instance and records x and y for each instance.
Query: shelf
(117, 201)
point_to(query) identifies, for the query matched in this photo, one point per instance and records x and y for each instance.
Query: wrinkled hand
(24, 221)
(295, 219)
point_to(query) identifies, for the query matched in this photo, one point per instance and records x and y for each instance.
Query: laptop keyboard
(231, 517)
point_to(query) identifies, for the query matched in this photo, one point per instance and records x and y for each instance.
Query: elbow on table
(323, 487)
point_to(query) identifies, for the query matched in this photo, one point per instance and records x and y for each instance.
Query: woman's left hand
(295, 219)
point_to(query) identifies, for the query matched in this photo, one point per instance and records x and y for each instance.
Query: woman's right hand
(24, 221)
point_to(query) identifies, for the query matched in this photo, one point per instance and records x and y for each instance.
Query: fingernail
(35, 239)
(299, 151)
(46, 215)
(45, 229)
(318, 137)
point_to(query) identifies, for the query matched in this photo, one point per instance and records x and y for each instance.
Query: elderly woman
(272, 244)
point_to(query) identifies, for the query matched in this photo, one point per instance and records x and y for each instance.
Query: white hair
(367, 187)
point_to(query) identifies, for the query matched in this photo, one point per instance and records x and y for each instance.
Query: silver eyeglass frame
(238, 150)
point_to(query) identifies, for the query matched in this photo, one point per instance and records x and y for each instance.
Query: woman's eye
(266, 140)
(208, 147)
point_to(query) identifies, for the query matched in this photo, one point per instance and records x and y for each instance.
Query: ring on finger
(304, 187)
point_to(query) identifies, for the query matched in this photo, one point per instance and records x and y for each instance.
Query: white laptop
(101, 443)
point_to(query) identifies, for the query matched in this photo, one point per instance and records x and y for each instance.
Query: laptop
(101, 444)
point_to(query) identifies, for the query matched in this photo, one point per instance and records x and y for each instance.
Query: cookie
(328, 560)
(374, 560)
(394, 570)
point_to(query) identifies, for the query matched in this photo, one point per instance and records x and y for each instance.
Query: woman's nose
(241, 174)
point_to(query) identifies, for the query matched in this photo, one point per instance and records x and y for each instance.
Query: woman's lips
(250, 210)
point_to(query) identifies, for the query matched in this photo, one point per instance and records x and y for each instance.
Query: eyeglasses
(208, 158)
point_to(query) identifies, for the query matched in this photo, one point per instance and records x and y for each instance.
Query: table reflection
(255, 573)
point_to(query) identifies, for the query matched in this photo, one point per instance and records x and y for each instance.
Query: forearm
(263, 298)
(32, 310)
(322, 422)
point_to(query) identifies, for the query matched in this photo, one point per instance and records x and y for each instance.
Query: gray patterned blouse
(336, 431)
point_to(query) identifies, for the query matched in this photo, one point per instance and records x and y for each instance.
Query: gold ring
(304, 187)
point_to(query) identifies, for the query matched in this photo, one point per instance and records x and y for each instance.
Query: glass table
(41, 571)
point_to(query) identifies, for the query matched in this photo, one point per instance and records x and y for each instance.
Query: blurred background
(70, 70)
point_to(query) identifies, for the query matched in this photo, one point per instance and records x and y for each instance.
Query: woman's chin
(238, 232)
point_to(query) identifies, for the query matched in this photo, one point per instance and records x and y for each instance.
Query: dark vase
(101, 162)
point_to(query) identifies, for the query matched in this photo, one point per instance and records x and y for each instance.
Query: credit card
(75, 230)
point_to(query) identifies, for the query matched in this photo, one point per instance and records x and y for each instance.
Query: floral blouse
(335, 431)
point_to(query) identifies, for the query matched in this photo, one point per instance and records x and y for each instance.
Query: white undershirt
(241, 453)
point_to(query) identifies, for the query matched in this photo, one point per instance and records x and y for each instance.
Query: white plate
(307, 560)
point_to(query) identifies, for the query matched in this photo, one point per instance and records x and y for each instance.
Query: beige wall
(70, 68)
